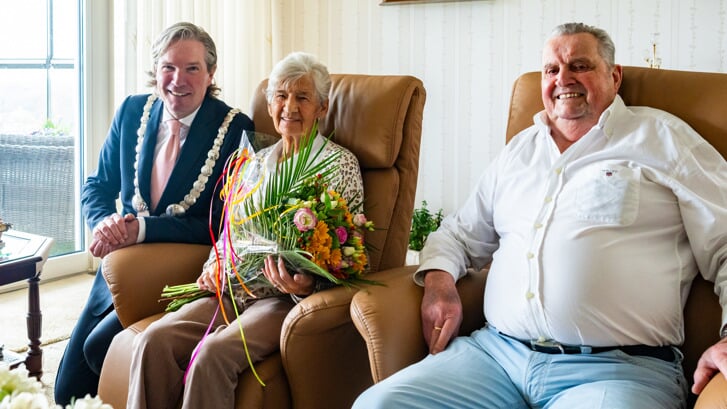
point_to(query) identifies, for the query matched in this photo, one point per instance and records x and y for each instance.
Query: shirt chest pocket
(609, 194)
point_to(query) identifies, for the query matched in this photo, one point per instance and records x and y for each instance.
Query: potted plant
(423, 222)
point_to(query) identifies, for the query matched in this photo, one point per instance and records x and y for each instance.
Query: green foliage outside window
(51, 128)
(423, 222)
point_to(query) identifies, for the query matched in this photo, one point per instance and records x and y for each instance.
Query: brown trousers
(162, 353)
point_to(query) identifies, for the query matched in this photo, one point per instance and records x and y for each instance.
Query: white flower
(17, 391)
(17, 380)
(87, 403)
(326, 196)
(25, 400)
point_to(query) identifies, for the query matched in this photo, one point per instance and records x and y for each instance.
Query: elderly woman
(297, 96)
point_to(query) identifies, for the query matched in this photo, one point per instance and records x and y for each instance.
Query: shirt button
(529, 295)
(538, 225)
(548, 199)
(530, 255)
(558, 170)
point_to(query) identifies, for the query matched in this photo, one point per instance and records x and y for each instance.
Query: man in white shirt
(595, 221)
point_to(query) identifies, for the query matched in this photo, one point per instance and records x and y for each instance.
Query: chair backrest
(695, 97)
(379, 119)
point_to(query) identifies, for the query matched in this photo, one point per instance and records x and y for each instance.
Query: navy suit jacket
(114, 176)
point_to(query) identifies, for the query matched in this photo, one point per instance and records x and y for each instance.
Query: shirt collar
(606, 122)
(186, 121)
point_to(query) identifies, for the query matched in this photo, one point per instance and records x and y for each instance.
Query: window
(40, 117)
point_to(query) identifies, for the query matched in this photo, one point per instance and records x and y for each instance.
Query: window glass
(23, 29)
(65, 33)
(39, 120)
(22, 101)
(64, 101)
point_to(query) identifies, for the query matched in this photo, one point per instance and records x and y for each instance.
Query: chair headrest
(360, 114)
(695, 97)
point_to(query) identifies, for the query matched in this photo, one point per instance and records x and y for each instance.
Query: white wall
(467, 53)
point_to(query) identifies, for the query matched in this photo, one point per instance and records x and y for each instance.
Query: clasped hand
(112, 233)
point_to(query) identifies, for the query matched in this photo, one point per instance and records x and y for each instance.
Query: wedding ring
(437, 328)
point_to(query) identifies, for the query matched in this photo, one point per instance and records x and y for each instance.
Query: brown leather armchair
(388, 317)
(322, 360)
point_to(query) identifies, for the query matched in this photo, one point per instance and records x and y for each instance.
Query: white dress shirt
(598, 245)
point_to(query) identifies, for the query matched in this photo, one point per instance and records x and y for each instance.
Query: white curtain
(242, 31)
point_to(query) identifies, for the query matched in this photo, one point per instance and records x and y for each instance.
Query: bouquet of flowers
(300, 217)
(294, 213)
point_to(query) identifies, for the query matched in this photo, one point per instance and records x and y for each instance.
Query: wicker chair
(36, 186)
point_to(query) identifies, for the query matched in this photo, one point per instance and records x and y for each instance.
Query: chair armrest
(389, 319)
(137, 274)
(317, 336)
(714, 395)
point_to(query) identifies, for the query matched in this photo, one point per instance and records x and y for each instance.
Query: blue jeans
(489, 370)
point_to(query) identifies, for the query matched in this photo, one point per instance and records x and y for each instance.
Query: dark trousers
(80, 367)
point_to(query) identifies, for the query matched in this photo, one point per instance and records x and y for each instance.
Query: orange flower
(319, 244)
(335, 263)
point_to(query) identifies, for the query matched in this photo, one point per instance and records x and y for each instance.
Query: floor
(61, 302)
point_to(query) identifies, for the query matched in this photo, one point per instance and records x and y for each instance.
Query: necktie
(164, 162)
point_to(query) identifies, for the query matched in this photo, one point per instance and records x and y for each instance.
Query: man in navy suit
(184, 62)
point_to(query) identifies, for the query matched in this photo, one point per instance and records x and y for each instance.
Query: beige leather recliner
(323, 360)
(389, 319)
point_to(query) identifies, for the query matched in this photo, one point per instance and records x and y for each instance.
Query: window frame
(96, 84)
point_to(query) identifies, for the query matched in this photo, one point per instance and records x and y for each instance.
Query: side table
(22, 256)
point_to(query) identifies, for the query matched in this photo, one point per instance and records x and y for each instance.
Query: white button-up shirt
(597, 245)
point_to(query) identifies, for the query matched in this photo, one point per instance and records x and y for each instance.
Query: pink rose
(359, 219)
(304, 219)
(342, 234)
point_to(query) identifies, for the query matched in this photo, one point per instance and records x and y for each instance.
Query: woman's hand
(208, 279)
(300, 284)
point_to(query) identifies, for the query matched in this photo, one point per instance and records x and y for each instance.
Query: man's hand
(713, 360)
(99, 249)
(111, 230)
(114, 232)
(441, 310)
